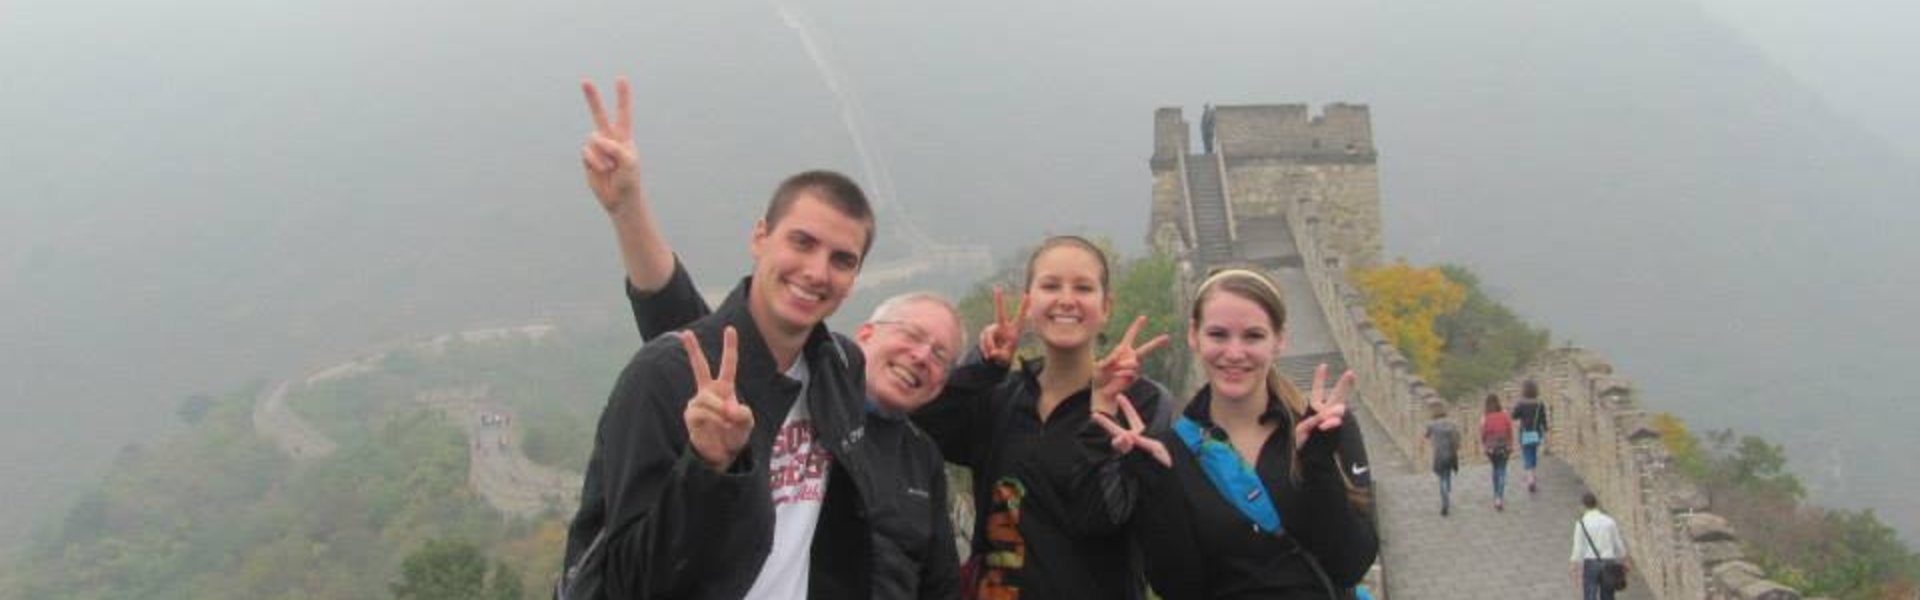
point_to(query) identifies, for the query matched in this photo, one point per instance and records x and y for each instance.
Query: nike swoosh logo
(1359, 469)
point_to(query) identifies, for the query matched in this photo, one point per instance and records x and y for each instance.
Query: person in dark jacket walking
(1245, 497)
(1530, 415)
(1051, 501)
(909, 345)
(748, 481)
(1444, 438)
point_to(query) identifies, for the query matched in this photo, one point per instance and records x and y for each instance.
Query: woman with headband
(1245, 496)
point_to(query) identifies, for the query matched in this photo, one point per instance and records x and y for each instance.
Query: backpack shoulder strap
(1236, 483)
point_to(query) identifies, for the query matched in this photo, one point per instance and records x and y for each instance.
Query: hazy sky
(1859, 54)
(200, 193)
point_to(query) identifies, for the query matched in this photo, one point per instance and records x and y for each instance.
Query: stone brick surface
(1477, 552)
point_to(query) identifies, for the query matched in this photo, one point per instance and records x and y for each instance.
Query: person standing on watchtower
(1206, 128)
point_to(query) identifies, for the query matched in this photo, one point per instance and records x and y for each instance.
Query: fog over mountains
(202, 193)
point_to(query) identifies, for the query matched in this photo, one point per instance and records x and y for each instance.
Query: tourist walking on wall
(1496, 439)
(1444, 438)
(1530, 415)
(1247, 496)
(1596, 542)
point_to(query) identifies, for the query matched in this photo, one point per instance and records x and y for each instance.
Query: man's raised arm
(612, 165)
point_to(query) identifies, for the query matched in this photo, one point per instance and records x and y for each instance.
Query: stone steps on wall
(1209, 210)
(1299, 368)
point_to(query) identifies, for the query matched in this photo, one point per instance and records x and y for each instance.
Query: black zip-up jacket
(1051, 499)
(913, 541)
(656, 522)
(1530, 414)
(1198, 546)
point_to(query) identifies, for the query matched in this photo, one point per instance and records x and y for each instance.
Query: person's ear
(757, 243)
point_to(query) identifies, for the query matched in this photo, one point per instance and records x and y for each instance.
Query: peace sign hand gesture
(1329, 409)
(612, 161)
(718, 423)
(1121, 367)
(1126, 439)
(999, 340)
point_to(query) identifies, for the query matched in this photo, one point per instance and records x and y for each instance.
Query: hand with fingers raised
(612, 161)
(1121, 367)
(1134, 435)
(718, 423)
(1329, 408)
(1000, 339)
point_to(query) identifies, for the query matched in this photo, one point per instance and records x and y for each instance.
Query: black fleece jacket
(1052, 500)
(1198, 546)
(913, 541)
(656, 522)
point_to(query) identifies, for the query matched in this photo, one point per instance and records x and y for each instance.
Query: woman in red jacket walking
(1496, 437)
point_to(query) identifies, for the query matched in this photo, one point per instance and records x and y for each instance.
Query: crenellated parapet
(1342, 133)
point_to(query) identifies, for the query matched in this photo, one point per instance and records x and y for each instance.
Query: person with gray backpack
(1445, 437)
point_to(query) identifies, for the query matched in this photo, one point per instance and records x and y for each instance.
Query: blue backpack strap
(1230, 476)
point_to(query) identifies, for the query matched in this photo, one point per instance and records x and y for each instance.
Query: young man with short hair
(749, 481)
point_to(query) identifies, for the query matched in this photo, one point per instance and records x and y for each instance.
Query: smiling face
(909, 351)
(1067, 302)
(804, 265)
(1236, 343)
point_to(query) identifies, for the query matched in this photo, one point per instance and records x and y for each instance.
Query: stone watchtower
(1265, 161)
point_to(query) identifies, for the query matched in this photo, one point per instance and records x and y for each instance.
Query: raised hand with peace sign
(1134, 436)
(1121, 367)
(718, 423)
(999, 340)
(1329, 408)
(612, 161)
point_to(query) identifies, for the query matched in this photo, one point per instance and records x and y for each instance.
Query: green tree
(194, 408)
(1482, 342)
(442, 569)
(1145, 287)
(505, 583)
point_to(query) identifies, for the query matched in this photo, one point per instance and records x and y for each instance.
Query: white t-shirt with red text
(797, 473)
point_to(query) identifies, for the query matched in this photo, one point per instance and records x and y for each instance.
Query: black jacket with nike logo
(1199, 546)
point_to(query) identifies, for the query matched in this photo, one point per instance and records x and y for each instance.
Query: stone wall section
(1347, 192)
(1278, 154)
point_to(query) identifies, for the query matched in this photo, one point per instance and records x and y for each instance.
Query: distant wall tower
(1277, 157)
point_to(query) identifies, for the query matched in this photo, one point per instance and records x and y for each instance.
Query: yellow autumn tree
(1403, 301)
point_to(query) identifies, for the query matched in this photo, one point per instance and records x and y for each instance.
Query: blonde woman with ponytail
(1246, 496)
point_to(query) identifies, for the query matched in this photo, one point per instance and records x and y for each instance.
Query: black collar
(1199, 410)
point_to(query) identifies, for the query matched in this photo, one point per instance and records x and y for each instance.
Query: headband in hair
(1224, 273)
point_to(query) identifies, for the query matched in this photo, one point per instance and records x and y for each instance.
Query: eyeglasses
(919, 337)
